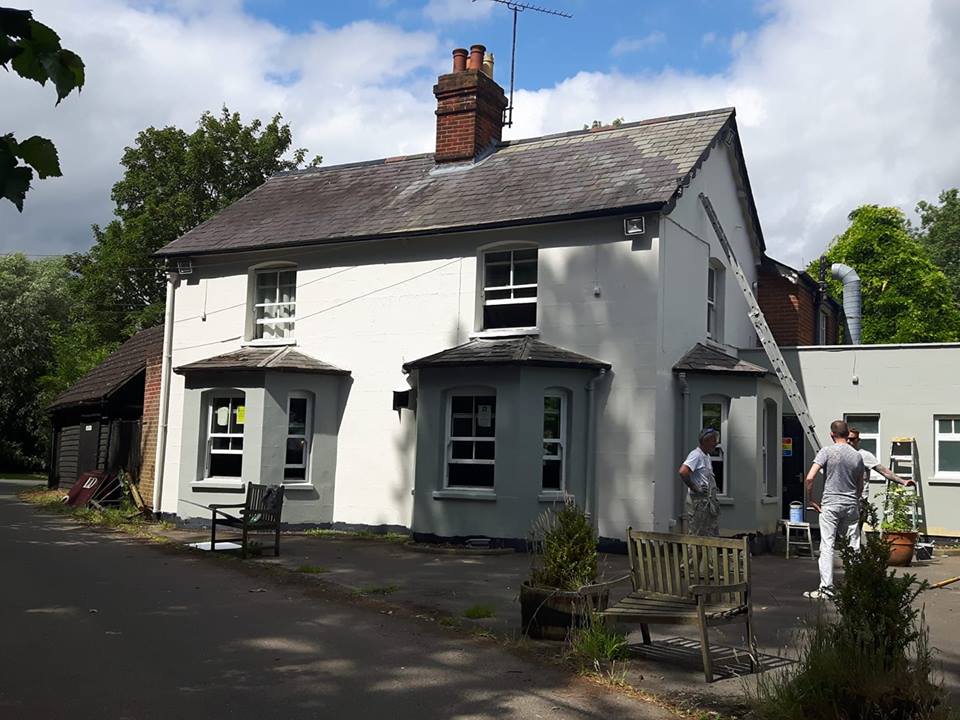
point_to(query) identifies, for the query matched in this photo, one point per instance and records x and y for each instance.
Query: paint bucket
(796, 512)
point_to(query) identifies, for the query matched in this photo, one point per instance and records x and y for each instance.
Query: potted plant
(561, 591)
(897, 526)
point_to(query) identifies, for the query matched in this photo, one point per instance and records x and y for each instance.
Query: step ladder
(903, 460)
(779, 365)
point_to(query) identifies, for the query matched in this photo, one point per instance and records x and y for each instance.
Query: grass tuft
(390, 537)
(312, 569)
(479, 612)
(380, 590)
(595, 642)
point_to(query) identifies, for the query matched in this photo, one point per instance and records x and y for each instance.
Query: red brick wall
(469, 114)
(789, 309)
(149, 427)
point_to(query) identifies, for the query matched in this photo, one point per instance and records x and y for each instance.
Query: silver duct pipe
(851, 298)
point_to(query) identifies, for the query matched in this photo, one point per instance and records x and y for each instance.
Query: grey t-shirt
(843, 468)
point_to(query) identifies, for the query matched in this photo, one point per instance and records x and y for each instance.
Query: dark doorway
(89, 447)
(792, 462)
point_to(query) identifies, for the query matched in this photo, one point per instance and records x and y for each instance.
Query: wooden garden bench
(687, 579)
(260, 512)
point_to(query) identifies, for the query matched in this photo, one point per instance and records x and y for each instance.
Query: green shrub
(872, 661)
(900, 504)
(565, 549)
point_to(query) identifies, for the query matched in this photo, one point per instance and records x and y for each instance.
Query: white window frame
(257, 307)
(722, 455)
(771, 450)
(210, 435)
(509, 287)
(938, 437)
(716, 274)
(448, 458)
(560, 442)
(306, 437)
(823, 317)
(852, 419)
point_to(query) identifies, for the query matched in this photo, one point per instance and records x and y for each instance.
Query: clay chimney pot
(459, 60)
(476, 57)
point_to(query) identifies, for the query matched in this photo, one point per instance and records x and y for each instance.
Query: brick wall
(469, 114)
(789, 309)
(150, 425)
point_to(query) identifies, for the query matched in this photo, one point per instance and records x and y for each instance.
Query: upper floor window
(275, 304)
(948, 446)
(471, 441)
(554, 441)
(226, 418)
(713, 414)
(715, 301)
(297, 457)
(510, 288)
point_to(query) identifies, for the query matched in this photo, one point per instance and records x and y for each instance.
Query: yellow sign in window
(241, 414)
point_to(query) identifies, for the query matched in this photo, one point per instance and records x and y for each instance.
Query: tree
(906, 298)
(33, 51)
(940, 234)
(35, 303)
(172, 181)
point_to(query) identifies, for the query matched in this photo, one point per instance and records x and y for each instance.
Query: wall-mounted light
(634, 226)
(184, 266)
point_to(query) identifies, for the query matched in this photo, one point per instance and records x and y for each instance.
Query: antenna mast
(517, 8)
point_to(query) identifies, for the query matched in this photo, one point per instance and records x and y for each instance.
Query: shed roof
(114, 372)
(268, 358)
(631, 167)
(704, 359)
(507, 351)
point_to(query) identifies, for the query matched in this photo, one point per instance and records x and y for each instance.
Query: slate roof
(285, 359)
(114, 372)
(507, 351)
(704, 359)
(632, 167)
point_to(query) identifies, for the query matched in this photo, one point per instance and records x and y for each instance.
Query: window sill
(281, 342)
(217, 484)
(297, 486)
(769, 500)
(724, 500)
(554, 496)
(945, 479)
(464, 494)
(505, 332)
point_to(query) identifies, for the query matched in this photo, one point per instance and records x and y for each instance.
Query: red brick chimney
(470, 108)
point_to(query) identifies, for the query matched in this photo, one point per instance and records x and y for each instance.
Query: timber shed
(99, 423)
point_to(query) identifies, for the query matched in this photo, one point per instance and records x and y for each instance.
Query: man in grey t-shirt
(839, 507)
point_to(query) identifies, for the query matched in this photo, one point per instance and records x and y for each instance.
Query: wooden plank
(640, 567)
(726, 556)
(632, 552)
(695, 539)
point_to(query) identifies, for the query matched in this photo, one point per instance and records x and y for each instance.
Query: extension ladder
(767, 340)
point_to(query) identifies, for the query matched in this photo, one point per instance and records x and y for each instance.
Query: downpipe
(590, 491)
(173, 281)
(681, 437)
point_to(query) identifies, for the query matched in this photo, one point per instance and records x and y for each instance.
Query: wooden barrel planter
(549, 614)
(902, 545)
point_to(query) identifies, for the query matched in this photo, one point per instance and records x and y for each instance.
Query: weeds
(479, 612)
(312, 569)
(596, 642)
(381, 590)
(390, 537)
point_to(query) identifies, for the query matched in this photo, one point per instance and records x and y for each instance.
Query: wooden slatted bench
(687, 579)
(260, 512)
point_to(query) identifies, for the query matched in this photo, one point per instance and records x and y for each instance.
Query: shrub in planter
(564, 554)
(897, 525)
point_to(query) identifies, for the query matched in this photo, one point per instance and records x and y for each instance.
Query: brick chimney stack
(470, 108)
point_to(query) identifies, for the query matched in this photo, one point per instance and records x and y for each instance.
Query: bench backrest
(264, 503)
(669, 564)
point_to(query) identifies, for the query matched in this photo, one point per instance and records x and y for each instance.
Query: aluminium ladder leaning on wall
(767, 340)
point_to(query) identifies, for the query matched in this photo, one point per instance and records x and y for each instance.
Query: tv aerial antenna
(517, 8)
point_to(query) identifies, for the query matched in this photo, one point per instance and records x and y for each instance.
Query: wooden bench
(260, 512)
(687, 579)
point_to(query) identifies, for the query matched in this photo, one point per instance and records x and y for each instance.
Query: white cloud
(838, 104)
(708, 39)
(625, 46)
(444, 12)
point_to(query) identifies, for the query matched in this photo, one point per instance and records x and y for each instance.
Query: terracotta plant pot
(902, 545)
(548, 614)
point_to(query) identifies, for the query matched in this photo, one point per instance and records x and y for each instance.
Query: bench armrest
(218, 506)
(602, 585)
(716, 589)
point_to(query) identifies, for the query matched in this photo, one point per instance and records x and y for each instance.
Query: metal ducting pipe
(851, 298)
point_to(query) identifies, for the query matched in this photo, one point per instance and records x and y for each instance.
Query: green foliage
(32, 50)
(940, 234)
(597, 124)
(872, 662)
(596, 641)
(311, 569)
(565, 546)
(906, 298)
(381, 590)
(172, 182)
(899, 504)
(479, 612)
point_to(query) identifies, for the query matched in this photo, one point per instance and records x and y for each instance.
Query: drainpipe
(851, 298)
(173, 280)
(590, 492)
(681, 437)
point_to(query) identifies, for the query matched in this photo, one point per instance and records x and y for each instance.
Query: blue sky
(838, 103)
